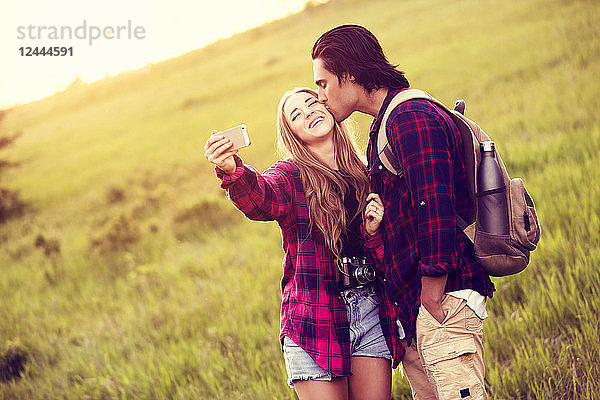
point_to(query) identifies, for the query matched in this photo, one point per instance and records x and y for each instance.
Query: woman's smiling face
(310, 121)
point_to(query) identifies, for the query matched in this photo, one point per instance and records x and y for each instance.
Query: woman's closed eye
(296, 113)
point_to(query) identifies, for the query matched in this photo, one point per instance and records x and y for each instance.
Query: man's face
(339, 98)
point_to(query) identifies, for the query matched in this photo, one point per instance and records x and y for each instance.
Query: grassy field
(131, 276)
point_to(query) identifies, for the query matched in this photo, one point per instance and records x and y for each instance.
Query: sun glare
(46, 46)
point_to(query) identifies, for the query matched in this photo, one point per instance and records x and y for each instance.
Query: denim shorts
(366, 338)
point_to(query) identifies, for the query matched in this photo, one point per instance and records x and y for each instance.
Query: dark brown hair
(354, 50)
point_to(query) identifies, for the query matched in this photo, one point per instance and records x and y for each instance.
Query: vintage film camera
(355, 272)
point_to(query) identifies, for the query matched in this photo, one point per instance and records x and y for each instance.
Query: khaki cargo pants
(446, 362)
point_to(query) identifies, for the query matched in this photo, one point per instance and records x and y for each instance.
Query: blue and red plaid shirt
(419, 227)
(313, 313)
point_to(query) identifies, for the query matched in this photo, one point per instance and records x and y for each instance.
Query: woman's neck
(325, 151)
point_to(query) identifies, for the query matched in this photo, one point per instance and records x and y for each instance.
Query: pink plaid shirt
(313, 313)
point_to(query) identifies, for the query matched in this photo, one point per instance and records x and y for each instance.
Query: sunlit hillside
(129, 275)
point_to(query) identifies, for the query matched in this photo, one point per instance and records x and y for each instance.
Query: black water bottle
(492, 208)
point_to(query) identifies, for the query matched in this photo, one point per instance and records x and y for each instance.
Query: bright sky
(130, 34)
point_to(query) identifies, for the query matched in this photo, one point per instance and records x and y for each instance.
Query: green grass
(162, 290)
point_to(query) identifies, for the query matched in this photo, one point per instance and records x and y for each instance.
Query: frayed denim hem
(385, 355)
(321, 377)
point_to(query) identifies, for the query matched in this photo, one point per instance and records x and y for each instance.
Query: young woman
(338, 334)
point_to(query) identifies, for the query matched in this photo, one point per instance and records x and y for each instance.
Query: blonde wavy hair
(324, 188)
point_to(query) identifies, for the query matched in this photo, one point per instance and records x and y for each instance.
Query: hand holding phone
(238, 136)
(221, 146)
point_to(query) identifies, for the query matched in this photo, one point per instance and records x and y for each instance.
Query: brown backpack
(500, 255)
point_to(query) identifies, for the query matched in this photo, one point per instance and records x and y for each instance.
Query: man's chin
(340, 117)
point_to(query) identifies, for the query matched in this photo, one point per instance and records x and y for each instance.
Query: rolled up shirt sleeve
(421, 145)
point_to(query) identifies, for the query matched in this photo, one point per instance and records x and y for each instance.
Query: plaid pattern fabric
(419, 228)
(313, 314)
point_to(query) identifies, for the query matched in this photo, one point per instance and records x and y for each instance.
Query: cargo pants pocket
(449, 365)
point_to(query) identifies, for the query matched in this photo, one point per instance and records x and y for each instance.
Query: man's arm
(420, 142)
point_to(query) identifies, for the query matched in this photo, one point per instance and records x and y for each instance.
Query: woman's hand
(217, 151)
(373, 213)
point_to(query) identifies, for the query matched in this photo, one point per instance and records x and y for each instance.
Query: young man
(430, 272)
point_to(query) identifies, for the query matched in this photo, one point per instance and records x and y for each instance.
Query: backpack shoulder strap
(384, 150)
(469, 133)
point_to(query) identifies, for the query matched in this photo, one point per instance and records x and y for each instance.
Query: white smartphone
(238, 136)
